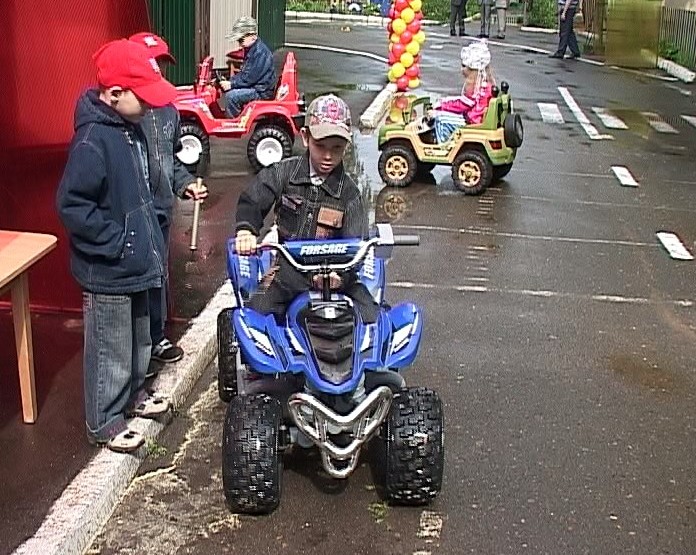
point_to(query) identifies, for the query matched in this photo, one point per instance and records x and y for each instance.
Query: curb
(375, 111)
(674, 69)
(88, 501)
(370, 20)
(539, 30)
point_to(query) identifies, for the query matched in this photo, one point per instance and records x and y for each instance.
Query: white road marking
(526, 236)
(430, 525)
(550, 112)
(609, 120)
(624, 176)
(674, 246)
(338, 51)
(436, 46)
(590, 129)
(690, 119)
(619, 299)
(658, 124)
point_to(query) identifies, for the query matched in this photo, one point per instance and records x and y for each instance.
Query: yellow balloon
(419, 37)
(390, 76)
(398, 70)
(396, 115)
(406, 59)
(394, 38)
(414, 83)
(407, 16)
(399, 25)
(413, 48)
(416, 5)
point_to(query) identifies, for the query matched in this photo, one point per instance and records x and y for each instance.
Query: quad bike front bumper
(319, 423)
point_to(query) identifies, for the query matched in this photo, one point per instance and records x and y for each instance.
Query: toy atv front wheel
(472, 172)
(195, 147)
(409, 458)
(252, 463)
(267, 145)
(397, 165)
(227, 356)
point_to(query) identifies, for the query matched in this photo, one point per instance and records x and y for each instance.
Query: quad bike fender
(290, 118)
(262, 343)
(406, 322)
(245, 272)
(372, 275)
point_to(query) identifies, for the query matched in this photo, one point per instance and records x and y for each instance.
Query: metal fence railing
(678, 33)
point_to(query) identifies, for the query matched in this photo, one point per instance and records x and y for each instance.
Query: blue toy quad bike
(324, 379)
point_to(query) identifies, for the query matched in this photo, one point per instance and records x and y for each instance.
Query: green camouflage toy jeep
(479, 154)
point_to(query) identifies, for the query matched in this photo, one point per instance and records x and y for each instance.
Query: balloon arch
(405, 41)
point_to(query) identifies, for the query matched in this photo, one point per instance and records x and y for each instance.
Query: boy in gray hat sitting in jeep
(256, 80)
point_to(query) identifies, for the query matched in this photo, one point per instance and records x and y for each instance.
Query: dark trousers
(157, 298)
(287, 284)
(457, 15)
(567, 38)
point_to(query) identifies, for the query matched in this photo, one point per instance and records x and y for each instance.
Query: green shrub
(671, 52)
(543, 13)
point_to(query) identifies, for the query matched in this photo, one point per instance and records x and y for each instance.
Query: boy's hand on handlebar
(245, 242)
(225, 85)
(335, 281)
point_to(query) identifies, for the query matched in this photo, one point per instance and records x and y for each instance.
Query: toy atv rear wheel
(195, 147)
(472, 172)
(268, 144)
(409, 458)
(501, 171)
(227, 356)
(397, 165)
(252, 464)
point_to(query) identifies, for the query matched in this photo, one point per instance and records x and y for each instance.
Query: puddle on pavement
(647, 375)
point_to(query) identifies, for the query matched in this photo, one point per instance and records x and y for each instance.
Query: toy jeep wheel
(252, 464)
(268, 144)
(410, 448)
(501, 171)
(472, 172)
(195, 147)
(397, 166)
(227, 356)
(513, 131)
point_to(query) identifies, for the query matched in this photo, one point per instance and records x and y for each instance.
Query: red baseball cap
(127, 64)
(157, 46)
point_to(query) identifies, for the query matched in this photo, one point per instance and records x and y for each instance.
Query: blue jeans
(236, 99)
(117, 352)
(158, 297)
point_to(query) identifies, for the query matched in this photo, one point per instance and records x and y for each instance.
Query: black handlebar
(406, 240)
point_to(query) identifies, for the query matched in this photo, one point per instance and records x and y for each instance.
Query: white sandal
(150, 407)
(126, 442)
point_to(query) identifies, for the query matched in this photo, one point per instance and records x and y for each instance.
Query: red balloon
(392, 13)
(398, 49)
(400, 5)
(413, 71)
(419, 15)
(406, 37)
(389, 28)
(401, 102)
(414, 26)
(393, 59)
(402, 83)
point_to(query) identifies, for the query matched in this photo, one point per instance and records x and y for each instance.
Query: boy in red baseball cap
(168, 177)
(116, 246)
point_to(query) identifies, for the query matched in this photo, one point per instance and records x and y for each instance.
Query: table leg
(25, 354)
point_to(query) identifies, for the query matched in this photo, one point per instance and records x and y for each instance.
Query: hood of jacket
(90, 109)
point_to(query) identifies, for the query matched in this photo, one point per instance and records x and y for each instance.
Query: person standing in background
(457, 14)
(486, 10)
(566, 33)
(501, 7)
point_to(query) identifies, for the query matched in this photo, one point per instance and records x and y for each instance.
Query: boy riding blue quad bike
(324, 378)
(311, 355)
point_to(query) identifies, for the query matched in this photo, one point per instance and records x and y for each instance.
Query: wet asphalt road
(559, 334)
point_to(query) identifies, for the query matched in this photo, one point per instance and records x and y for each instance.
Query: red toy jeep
(274, 122)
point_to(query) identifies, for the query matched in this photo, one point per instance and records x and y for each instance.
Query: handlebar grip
(406, 240)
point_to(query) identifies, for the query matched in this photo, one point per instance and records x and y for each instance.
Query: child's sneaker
(165, 352)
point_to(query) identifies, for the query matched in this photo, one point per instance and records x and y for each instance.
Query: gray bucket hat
(245, 25)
